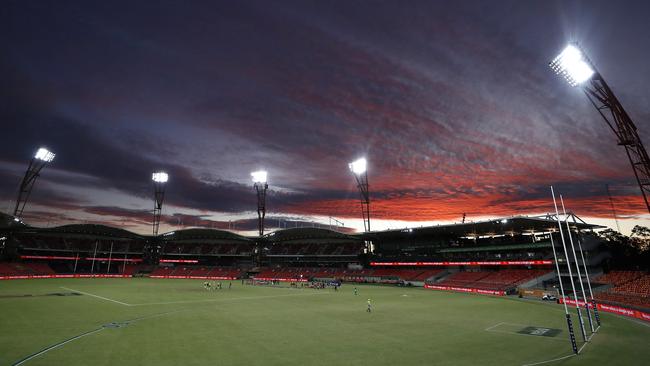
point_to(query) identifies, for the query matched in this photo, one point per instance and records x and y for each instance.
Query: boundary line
(90, 332)
(563, 357)
(54, 346)
(97, 296)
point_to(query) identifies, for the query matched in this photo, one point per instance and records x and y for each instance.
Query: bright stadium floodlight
(260, 184)
(358, 166)
(160, 177)
(259, 176)
(42, 157)
(572, 65)
(159, 182)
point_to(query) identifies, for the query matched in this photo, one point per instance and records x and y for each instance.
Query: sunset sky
(452, 103)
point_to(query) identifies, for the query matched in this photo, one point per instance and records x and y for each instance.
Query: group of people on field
(212, 285)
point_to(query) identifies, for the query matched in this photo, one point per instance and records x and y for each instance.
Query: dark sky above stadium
(452, 103)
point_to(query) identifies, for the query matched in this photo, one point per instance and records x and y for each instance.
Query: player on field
(356, 292)
(369, 310)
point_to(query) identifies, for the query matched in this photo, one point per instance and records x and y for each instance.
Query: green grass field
(176, 322)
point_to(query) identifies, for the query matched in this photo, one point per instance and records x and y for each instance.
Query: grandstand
(629, 288)
(498, 255)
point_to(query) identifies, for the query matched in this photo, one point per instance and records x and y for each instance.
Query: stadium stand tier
(497, 255)
(627, 288)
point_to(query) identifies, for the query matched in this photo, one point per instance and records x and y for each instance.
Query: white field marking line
(548, 361)
(604, 312)
(97, 296)
(89, 333)
(494, 326)
(564, 357)
(224, 300)
(56, 346)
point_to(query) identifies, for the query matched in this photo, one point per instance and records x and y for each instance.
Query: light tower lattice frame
(362, 185)
(260, 188)
(36, 164)
(612, 111)
(578, 70)
(159, 184)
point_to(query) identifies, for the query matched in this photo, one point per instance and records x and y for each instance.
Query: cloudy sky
(452, 103)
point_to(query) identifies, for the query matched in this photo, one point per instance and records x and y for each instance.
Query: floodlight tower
(42, 157)
(578, 70)
(259, 182)
(159, 182)
(360, 172)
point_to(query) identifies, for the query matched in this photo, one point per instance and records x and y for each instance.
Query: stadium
(300, 295)
(165, 142)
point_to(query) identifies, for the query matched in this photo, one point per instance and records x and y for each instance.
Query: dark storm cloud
(453, 104)
(81, 148)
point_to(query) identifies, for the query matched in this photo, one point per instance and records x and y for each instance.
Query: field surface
(162, 322)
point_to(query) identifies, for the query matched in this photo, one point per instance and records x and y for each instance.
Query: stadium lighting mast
(159, 182)
(577, 69)
(260, 184)
(42, 157)
(360, 172)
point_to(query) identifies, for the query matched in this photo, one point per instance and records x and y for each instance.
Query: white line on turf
(224, 300)
(563, 357)
(89, 333)
(549, 361)
(56, 346)
(494, 326)
(97, 296)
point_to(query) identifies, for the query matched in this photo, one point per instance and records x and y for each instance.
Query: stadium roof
(501, 226)
(203, 234)
(90, 230)
(309, 234)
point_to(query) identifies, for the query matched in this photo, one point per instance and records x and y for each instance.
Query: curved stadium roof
(203, 234)
(308, 234)
(91, 230)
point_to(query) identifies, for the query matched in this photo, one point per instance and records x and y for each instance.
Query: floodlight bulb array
(160, 177)
(572, 65)
(259, 176)
(44, 154)
(358, 166)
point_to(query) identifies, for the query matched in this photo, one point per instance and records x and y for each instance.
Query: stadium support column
(261, 185)
(575, 259)
(38, 162)
(577, 69)
(360, 172)
(568, 264)
(159, 182)
(572, 337)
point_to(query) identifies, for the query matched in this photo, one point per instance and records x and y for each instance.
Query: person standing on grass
(369, 310)
(356, 292)
(230, 285)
